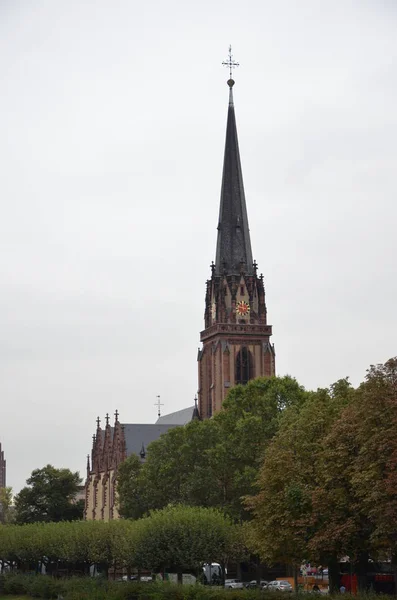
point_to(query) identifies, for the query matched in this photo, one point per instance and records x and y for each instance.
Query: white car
(234, 584)
(279, 586)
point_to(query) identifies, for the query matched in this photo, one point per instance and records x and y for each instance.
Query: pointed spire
(196, 414)
(233, 244)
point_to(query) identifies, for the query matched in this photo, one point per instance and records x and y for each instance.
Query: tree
(211, 463)
(7, 512)
(355, 504)
(282, 509)
(131, 501)
(184, 537)
(49, 496)
(177, 469)
(249, 420)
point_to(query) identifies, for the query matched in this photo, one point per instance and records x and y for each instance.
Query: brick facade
(3, 465)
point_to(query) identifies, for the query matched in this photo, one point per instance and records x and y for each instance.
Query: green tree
(49, 496)
(132, 504)
(249, 420)
(213, 463)
(282, 508)
(7, 512)
(178, 469)
(184, 537)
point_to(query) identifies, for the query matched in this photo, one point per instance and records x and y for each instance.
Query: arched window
(244, 366)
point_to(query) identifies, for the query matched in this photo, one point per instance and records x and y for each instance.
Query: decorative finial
(142, 453)
(212, 268)
(255, 266)
(107, 419)
(98, 422)
(158, 404)
(116, 415)
(195, 401)
(230, 63)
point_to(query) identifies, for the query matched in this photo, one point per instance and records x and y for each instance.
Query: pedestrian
(342, 589)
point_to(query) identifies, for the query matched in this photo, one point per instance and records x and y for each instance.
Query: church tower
(236, 340)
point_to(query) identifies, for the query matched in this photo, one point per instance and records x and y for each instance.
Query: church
(236, 343)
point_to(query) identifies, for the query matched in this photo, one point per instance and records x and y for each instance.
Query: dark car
(254, 584)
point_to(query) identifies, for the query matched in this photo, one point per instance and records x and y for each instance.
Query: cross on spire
(116, 415)
(230, 63)
(158, 404)
(98, 422)
(107, 419)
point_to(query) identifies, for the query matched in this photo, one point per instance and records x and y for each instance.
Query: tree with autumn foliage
(328, 484)
(282, 508)
(356, 502)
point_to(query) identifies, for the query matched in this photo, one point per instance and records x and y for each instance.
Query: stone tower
(2, 469)
(236, 340)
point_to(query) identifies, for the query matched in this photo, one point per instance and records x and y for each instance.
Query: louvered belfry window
(244, 366)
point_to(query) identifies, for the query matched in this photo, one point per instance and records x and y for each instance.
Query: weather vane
(230, 63)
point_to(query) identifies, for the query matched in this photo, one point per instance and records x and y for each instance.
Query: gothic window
(209, 408)
(244, 366)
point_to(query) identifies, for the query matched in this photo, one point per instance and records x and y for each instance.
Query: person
(342, 589)
(315, 588)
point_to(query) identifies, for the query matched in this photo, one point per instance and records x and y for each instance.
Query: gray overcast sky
(112, 120)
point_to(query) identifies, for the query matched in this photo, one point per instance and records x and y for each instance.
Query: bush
(17, 584)
(43, 586)
(97, 588)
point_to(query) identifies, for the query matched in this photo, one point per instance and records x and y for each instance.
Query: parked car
(254, 584)
(279, 586)
(234, 584)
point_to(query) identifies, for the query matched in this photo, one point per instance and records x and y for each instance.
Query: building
(2, 469)
(110, 447)
(236, 340)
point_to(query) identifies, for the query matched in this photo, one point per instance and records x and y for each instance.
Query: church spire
(233, 246)
(236, 339)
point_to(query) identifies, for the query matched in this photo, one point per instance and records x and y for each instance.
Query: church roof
(233, 244)
(140, 436)
(180, 417)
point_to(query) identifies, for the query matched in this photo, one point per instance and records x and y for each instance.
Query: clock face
(242, 308)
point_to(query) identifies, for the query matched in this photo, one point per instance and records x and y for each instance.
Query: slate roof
(233, 243)
(138, 436)
(180, 417)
